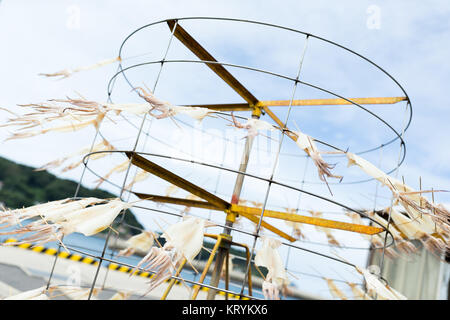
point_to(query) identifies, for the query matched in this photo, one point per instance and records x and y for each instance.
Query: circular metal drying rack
(122, 71)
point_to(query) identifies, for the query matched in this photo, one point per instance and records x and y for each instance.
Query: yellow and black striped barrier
(93, 261)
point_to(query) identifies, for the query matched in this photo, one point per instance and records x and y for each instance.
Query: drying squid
(414, 230)
(184, 240)
(68, 72)
(42, 293)
(256, 204)
(358, 293)
(141, 176)
(121, 295)
(74, 126)
(376, 287)
(167, 109)
(170, 190)
(334, 290)
(95, 107)
(306, 143)
(268, 257)
(104, 145)
(35, 294)
(356, 219)
(51, 210)
(378, 242)
(196, 113)
(142, 241)
(270, 290)
(401, 244)
(63, 218)
(330, 237)
(117, 169)
(162, 106)
(191, 197)
(253, 126)
(296, 226)
(78, 293)
(414, 203)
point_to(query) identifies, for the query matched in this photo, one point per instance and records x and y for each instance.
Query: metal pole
(224, 249)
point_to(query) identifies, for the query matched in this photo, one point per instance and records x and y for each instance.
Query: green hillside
(21, 186)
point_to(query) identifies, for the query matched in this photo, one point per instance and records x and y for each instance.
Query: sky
(408, 39)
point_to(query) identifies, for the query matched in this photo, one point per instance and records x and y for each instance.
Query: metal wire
(129, 164)
(258, 228)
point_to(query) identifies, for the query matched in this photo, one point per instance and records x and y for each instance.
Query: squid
(378, 242)
(296, 226)
(414, 230)
(170, 190)
(142, 241)
(29, 121)
(121, 295)
(334, 290)
(306, 143)
(153, 103)
(104, 145)
(196, 113)
(92, 106)
(63, 218)
(78, 293)
(414, 203)
(253, 126)
(268, 257)
(141, 176)
(297, 229)
(401, 244)
(73, 126)
(270, 290)
(330, 237)
(44, 113)
(35, 294)
(117, 169)
(42, 293)
(52, 210)
(184, 240)
(358, 293)
(68, 72)
(191, 197)
(162, 106)
(167, 109)
(256, 204)
(376, 287)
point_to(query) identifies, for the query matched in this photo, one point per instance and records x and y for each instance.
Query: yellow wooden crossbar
(268, 226)
(200, 52)
(167, 175)
(359, 228)
(330, 102)
(178, 201)
(301, 102)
